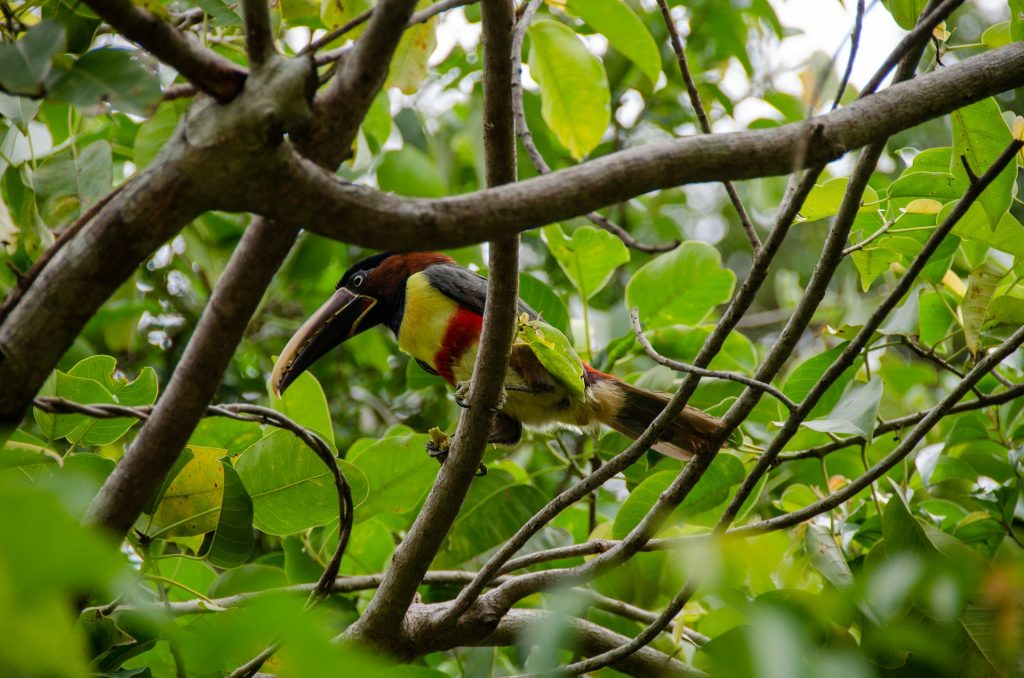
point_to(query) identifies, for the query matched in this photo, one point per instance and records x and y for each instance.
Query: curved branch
(319, 200)
(638, 332)
(207, 70)
(259, 33)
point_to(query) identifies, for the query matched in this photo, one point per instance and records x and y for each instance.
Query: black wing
(465, 287)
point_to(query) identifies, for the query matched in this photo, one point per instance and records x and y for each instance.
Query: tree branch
(195, 380)
(526, 137)
(259, 33)
(638, 332)
(381, 624)
(319, 200)
(704, 122)
(207, 70)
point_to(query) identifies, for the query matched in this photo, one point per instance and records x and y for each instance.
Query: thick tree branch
(259, 32)
(704, 122)
(319, 200)
(195, 380)
(208, 71)
(381, 624)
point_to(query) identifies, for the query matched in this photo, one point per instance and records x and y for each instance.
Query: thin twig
(678, 366)
(868, 240)
(705, 123)
(528, 10)
(858, 25)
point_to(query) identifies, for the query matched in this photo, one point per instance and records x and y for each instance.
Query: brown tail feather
(687, 435)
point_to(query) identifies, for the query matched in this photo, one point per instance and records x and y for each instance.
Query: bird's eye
(358, 279)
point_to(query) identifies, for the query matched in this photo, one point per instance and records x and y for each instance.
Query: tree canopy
(833, 266)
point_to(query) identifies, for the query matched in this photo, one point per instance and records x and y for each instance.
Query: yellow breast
(425, 319)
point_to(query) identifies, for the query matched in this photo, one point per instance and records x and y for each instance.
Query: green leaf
(615, 20)
(824, 199)
(554, 352)
(855, 413)
(681, 287)
(398, 473)
(108, 74)
(25, 64)
(409, 64)
(802, 379)
(191, 504)
(933, 318)
(85, 178)
(827, 557)
(495, 508)
(233, 539)
(712, 491)
(77, 389)
(980, 135)
(409, 171)
(542, 299)
(1007, 236)
(23, 449)
(684, 343)
(19, 110)
(221, 14)
(1008, 308)
(981, 285)
(305, 403)
(588, 258)
(154, 132)
(142, 391)
(905, 12)
(291, 489)
(574, 95)
(997, 35)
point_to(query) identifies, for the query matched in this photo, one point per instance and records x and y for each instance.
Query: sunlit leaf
(980, 135)
(905, 12)
(625, 31)
(542, 299)
(409, 64)
(554, 352)
(191, 504)
(824, 199)
(575, 101)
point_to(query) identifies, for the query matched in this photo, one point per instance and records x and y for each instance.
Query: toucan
(435, 308)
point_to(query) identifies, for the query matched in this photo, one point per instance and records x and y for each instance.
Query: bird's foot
(462, 398)
(439, 445)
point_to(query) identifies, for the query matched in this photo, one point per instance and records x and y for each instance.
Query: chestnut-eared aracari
(435, 308)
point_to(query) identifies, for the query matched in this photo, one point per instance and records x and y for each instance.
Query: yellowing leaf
(923, 206)
(409, 66)
(191, 504)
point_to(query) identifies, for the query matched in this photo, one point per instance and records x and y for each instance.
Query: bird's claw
(439, 445)
(462, 398)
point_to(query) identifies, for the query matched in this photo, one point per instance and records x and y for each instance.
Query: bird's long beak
(338, 319)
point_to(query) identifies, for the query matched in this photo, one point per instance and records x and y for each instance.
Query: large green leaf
(589, 257)
(70, 182)
(802, 379)
(980, 135)
(305, 403)
(291, 489)
(855, 413)
(824, 199)
(495, 508)
(409, 171)
(1008, 234)
(681, 287)
(712, 491)
(574, 95)
(77, 389)
(25, 63)
(625, 31)
(905, 12)
(154, 132)
(101, 369)
(398, 473)
(233, 538)
(108, 74)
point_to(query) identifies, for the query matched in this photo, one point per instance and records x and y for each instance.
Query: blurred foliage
(921, 574)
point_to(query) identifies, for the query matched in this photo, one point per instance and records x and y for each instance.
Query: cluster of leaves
(919, 573)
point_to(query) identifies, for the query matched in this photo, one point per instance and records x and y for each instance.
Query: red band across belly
(463, 333)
